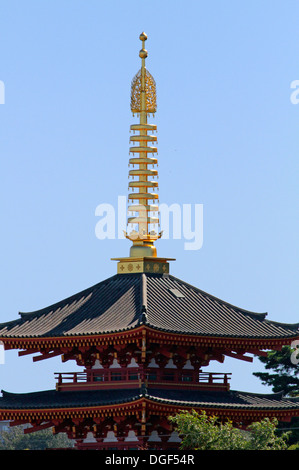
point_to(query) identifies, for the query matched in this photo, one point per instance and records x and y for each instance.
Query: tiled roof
(55, 399)
(229, 399)
(52, 399)
(163, 302)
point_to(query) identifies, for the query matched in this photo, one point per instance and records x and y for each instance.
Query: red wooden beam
(40, 427)
(16, 423)
(46, 356)
(238, 356)
(258, 352)
(26, 352)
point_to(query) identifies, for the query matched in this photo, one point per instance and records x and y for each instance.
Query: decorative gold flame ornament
(136, 90)
(144, 218)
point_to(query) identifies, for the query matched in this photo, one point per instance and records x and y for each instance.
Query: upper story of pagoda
(138, 314)
(143, 336)
(143, 313)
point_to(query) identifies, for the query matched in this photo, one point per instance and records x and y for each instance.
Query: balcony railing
(132, 377)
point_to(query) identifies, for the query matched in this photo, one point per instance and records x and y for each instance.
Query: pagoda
(142, 337)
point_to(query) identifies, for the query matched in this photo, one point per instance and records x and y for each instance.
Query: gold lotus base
(150, 264)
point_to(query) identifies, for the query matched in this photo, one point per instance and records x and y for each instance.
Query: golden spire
(144, 220)
(143, 102)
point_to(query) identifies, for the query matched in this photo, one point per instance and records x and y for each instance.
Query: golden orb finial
(143, 37)
(143, 53)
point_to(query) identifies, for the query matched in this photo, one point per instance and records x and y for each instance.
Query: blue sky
(228, 139)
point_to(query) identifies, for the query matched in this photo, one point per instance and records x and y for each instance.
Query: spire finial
(143, 102)
(143, 51)
(143, 224)
(143, 38)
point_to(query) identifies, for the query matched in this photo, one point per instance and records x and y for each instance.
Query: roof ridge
(143, 318)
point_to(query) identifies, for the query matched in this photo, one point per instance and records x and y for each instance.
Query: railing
(214, 377)
(104, 378)
(105, 375)
(187, 376)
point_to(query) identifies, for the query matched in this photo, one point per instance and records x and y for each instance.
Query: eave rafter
(144, 412)
(143, 338)
(237, 416)
(76, 415)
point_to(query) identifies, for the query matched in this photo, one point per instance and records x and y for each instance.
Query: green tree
(263, 436)
(201, 432)
(285, 376)
(15, 439)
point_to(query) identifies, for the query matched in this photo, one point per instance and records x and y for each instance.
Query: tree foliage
(15, 439)
(202, 432)
(285, 376)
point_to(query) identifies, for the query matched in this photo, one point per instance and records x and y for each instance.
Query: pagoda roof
(54, 400)
(162, 302)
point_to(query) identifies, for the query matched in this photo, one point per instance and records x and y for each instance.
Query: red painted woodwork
(145, 420)
(133, 377)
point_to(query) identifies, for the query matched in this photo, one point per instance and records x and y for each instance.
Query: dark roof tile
(163, 302)
(52, 399)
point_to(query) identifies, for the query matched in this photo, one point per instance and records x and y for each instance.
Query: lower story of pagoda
(138, 418)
